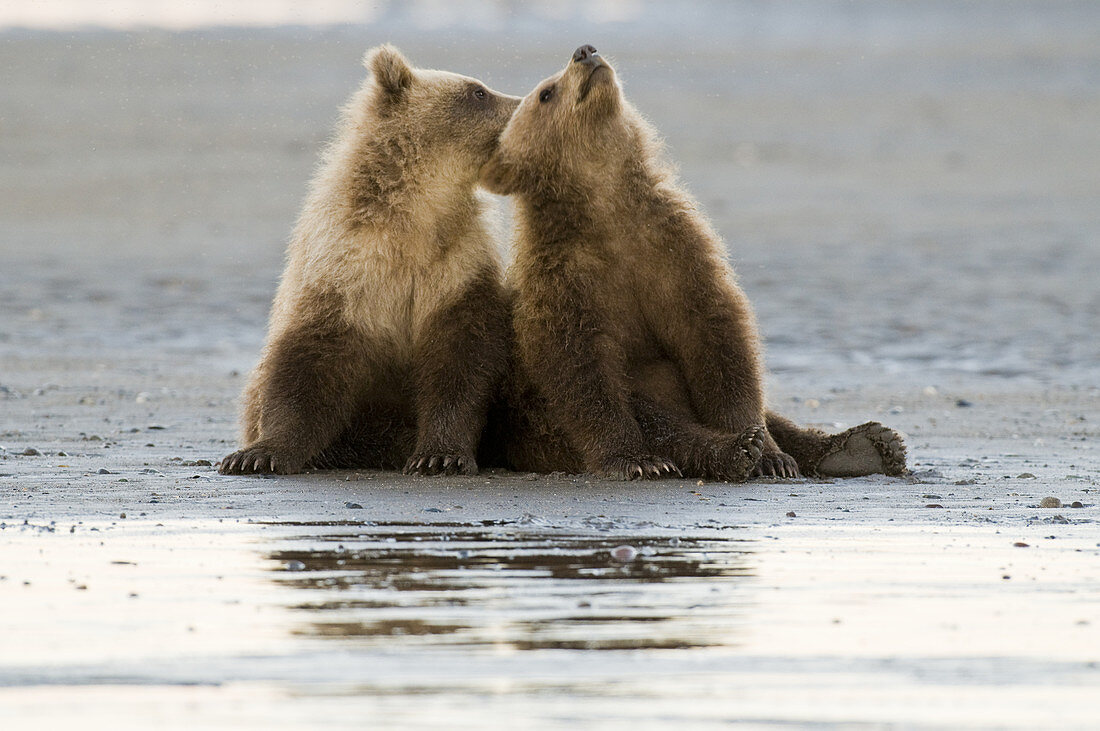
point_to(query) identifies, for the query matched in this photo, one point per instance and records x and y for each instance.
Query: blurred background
(910, 191)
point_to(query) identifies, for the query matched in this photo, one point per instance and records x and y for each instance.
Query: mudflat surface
(911, 196)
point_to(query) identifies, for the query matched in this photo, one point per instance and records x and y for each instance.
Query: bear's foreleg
(460, 360)
(303, 399)
(699, 451)
(577, 368)
(716, 346)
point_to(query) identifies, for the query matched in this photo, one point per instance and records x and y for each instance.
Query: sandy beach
(910, 194)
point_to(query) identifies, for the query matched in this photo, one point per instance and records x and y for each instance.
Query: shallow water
(288, 624)
(509, 587)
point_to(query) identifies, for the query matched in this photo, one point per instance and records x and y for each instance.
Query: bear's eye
(546, 94)
(480, 93)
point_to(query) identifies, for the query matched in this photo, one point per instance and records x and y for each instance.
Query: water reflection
(509, 586)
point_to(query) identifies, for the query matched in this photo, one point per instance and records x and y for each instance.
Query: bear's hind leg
(867, 449)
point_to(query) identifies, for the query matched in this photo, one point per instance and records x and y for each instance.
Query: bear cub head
(573, 128)
(457, 118)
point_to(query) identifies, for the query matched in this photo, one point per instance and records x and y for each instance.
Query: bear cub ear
(497, 176)
(390, 69)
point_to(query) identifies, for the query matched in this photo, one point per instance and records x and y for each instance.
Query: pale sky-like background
(127, 14)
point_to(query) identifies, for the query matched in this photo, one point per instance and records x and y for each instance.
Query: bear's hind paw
(742, 456)
(866, 449)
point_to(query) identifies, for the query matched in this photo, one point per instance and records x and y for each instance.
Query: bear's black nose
(586, 54)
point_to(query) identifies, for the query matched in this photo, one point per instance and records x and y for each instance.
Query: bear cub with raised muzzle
(636, 354)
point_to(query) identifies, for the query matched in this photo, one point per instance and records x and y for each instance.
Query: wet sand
(911, 203)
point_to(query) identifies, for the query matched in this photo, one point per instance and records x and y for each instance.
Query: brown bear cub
(636, 352)
(389, 332)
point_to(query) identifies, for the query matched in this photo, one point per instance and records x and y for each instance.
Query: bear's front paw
(425, 463)
(775, 463)
(260, 459)
(645, 467)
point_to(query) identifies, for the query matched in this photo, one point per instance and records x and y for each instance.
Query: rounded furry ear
(390, 69)
(497, 176)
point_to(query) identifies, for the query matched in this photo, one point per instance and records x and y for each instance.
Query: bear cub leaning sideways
(637, 353)
(389, 332)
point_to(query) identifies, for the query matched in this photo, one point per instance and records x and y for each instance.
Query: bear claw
(639, 468)
(440, 464)
(776, 464)
(258, 459)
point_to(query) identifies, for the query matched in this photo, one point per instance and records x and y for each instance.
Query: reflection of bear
(637, 352)
(389, 331)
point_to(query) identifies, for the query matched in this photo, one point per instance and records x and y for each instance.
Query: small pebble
(1025, 476)
(790, 514)
(353, 506)
(295, 566)
(933, 505)
(1050, 502)
(963, 403)
(122, 515)
(1077, 504)
(104, 471)
(31, 452)
(432, 510)
(1020, 544)
(624, 554)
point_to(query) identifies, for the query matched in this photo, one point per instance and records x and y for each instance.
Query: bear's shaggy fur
(389, 332)
(637, 354)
